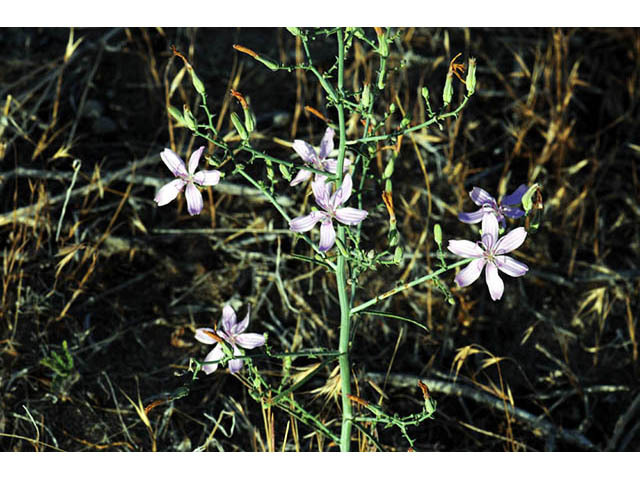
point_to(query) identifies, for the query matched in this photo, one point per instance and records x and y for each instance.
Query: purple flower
(329, 203)
(232, 333)
(320, 160)
(490, 252)
(488, 204)
(189, 178)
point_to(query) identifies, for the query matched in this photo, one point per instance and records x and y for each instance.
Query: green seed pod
(175, 113)
(249, 120)
(393, 237)
(397, 255)
(447, 93)
(239, 127)
(471, 77)
(437, 234)
(425, 94)
(388, 171)
(365, 98)
(392, 108)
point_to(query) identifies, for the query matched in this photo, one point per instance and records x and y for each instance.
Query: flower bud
(239, 127)
(295, 31)
(197, 83)
(471, 77)
(437, 234)
(175, 113)
(397, 255)
(270, 64)
(249, 120)
(447, 93)
(527, 198)
(189, 119)
(285, 172)
(365, 97)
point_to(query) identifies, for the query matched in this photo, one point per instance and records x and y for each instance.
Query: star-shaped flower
(232, 333)
(330, 203)
(186, 178)
(489, 205)
(490, 252)
(320, 160)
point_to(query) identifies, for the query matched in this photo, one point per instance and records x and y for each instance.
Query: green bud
(429, 405)
(371, 254)
(406, 121)
(175, 113)
(425, 94)
(295, 31)
(273, 66)
(527, 198)
(365, 98)
(197, 83)
(392, 108)
(383, 46)
(285, 171)
(393, 238)
(397, 255)
(447, 93)
(471, 77)
(388, 171)
(239, 127)
(437, 234)
(189, 119)
(249, 120)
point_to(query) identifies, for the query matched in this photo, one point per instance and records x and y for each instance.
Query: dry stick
(451, 388)
(621, 423)
(24, 214)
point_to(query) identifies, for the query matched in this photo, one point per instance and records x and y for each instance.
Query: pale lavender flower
(186, 178)
(490, 252)
(232, 333)
(329, 203)
(489, 205)
(320, 160)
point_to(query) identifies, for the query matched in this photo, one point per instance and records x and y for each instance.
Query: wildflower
(232, 333)
(317, 160)
(329, 203)
(490, 252)
(488, 204)
(186, 178)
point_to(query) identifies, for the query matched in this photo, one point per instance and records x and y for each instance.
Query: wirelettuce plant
(337, 184)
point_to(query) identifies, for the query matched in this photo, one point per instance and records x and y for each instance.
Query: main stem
(345, 314)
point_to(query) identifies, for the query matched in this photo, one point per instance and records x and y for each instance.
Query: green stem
(345, 314)
(406, 286)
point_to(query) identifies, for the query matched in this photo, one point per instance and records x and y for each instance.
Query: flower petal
(481, 197)
(511, 266)
(173, 162)
(194, 199)
(331, 166)
(236, 365)
(243, 324)
(516, 197)
(471, 217)
(214, 356)
(489, 230)
(202, 337)
(343, 193)
(510, 241)
(321, 192)
(302, 176)
(350, 216)
(250, 340)
(512, 212)
(195, 159)
(207, 178)
(306, 222)
(306, 151)
(229, 319)
(494, 282)
(465, 248)
(169, 192)
(327, 235)
(326, 145)
(470, 273)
